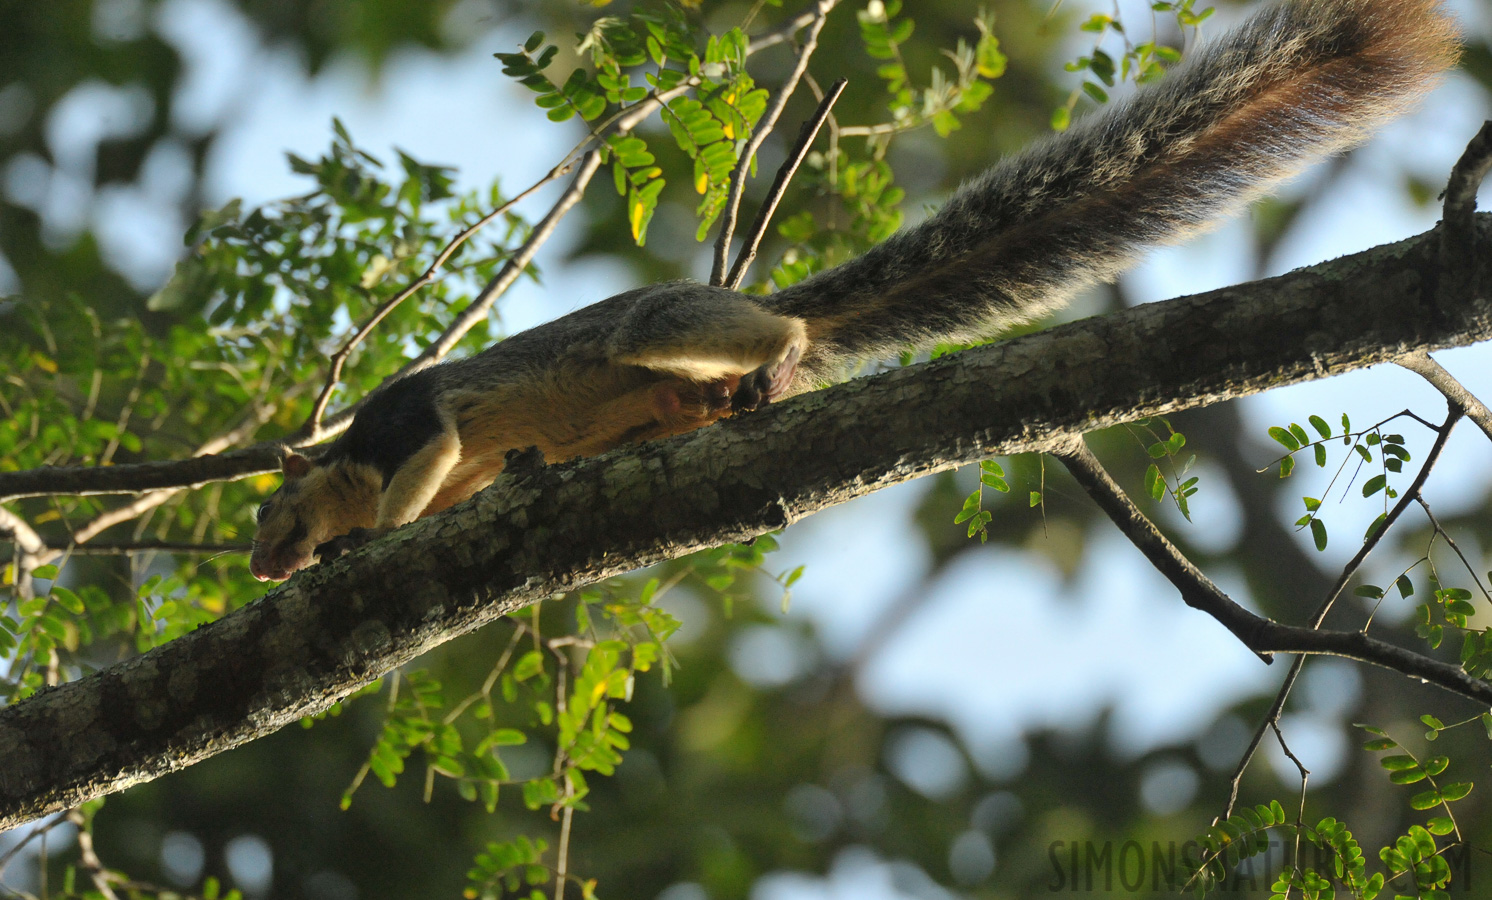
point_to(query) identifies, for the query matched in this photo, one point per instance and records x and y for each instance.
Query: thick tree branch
(543, 530)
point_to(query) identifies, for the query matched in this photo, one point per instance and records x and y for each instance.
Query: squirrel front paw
(349, 542)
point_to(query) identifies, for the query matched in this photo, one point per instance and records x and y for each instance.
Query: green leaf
(69, 601)
(1320, 425)
(1456, 791)
(507, 737)
(529, 665)
(1318, 533)
(1374, 485)
(1155, 485)
(1284, 437)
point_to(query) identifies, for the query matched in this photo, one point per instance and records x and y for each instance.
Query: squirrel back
(1297, 81)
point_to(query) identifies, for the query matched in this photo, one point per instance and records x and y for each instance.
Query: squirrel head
(314, 504)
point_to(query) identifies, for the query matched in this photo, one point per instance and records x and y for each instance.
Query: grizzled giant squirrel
(1302, 78)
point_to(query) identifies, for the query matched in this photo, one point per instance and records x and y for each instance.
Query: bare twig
(99, 875)
(32, 834)
(477, 310)
(20, 532)
(786, 30)
(1305, 777)
(1197, 590)
(563, 859)
(1446, 536)
(1422, 364)
(124, 548)
(785, 174)
(769, 121)
(1262, 636)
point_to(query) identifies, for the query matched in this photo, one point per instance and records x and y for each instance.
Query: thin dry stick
(1446, 536)
(563, 865)
(785, 174)
(91, 863)
(124, 548)
(743, 167)
(1349, 571)
(792, 26)
(1305, 777)
(479, 307)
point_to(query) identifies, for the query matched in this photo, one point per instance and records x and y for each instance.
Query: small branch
(785, 174)
(1257, 633)
(1421, 363)
(1197, 590)
(563, 865)
(31, 835)
(743, 167)
(786, 30)
(1459, 240)
(479, 307)
(89, 858)
(143, 504)
(1305, 776)
(1446, 536)
(123, 548)
(20, 532)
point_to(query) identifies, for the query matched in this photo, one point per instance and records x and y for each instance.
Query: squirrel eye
(263, 511)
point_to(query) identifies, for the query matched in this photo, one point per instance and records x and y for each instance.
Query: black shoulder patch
(394, 423)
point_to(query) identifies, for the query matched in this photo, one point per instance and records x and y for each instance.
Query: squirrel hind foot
(766, 383)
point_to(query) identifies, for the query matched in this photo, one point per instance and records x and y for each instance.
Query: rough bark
(543, 530)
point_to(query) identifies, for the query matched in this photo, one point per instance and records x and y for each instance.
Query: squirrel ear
(294, 465)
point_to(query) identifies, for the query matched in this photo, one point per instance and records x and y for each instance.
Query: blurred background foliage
(735, 780)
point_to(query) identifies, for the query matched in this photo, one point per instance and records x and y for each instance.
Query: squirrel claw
(348, 542)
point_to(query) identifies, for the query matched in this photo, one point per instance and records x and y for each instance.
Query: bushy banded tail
(1301, 79)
